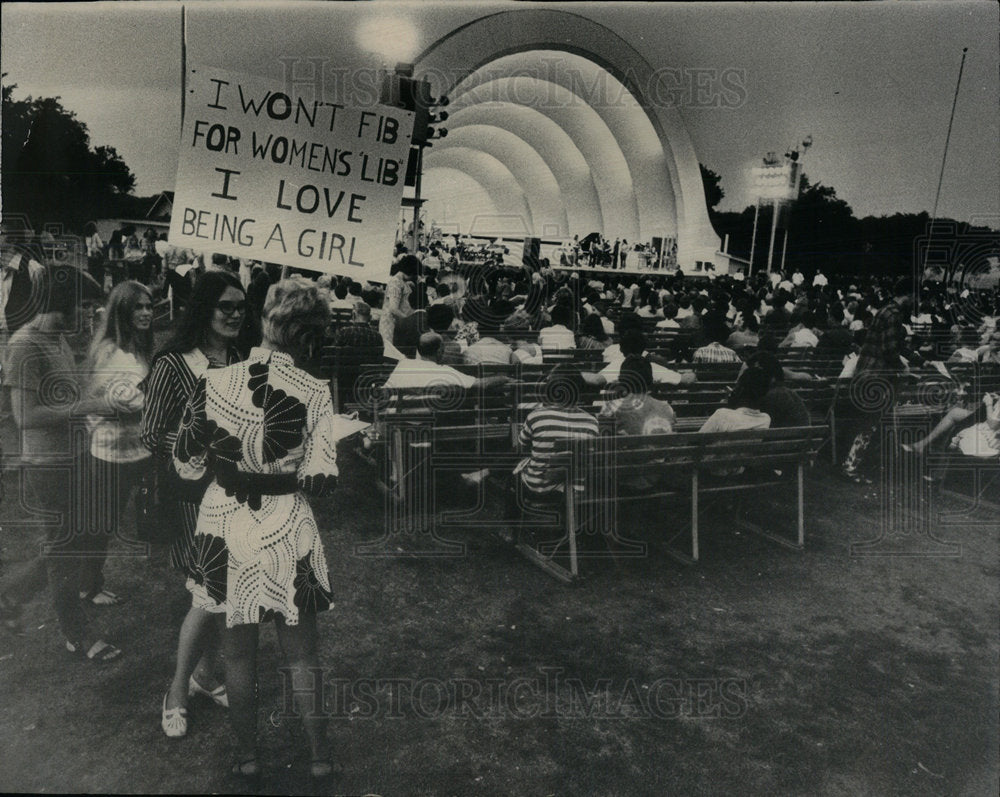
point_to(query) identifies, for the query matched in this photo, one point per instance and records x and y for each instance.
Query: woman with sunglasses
(207, 337)
(117, 364)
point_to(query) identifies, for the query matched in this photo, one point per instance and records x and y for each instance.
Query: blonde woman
(264, 430)
(117, 364)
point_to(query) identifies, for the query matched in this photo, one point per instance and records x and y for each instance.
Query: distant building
(151, 212)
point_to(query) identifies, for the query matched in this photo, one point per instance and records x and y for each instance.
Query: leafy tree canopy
(713, 187)
(823, 233)
(51, 172)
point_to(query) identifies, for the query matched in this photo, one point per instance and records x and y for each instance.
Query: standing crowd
(225, 437)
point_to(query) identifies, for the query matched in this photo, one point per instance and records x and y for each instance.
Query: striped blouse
(167, 391)
(543, 428)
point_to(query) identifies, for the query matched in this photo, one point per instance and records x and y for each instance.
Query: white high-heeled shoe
(217, 695)
(173, 721)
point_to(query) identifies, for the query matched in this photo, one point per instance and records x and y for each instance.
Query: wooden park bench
(585, 358)
(339, 317)
(974, 480)
(344, 366)
(682, 468)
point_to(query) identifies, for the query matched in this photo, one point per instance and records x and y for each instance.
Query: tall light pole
(419, 154)
(753, 239)
(795, 157)
(766, 183)
(774, 229)
(780, 183)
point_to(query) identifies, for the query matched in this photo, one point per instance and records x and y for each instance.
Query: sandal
(102, 598)
(248, 769)
(217, 695)
(173, 721)
(100, 651)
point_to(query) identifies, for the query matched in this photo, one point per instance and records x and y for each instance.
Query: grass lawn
(760, 670)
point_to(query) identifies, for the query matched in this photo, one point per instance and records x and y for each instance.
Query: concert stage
(606, 271)
(599, 272)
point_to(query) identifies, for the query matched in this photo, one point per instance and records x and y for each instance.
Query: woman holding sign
(264, 430)
(396, 303)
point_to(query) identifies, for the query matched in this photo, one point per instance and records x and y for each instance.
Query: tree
(50, 171)
(823, 232)
(712, 183)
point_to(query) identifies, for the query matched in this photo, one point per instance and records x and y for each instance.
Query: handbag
(157, 507)
(157, 516)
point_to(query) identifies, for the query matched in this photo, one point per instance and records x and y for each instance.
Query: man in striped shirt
(557, 420)
(717, 332)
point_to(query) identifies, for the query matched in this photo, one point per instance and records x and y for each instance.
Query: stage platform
(604, 271)
(598, 272)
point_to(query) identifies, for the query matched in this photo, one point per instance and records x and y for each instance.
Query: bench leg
(546, 561)
(546, 564)
(800, 542)
(980, 488)
(397, 468)
(694, 515)
(571, 528)
(833, 437)
(679, 556)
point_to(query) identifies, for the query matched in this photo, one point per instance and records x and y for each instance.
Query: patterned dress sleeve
(163, 393)
(193, 437)
(317, 473)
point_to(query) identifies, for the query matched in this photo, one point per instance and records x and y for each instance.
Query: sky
(872, 83)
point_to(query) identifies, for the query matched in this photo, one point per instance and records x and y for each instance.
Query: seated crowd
(669, 328)
(439, 314)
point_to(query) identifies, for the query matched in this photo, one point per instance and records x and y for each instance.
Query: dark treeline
(823, 233)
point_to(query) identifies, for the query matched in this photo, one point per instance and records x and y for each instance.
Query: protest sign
(266, 175)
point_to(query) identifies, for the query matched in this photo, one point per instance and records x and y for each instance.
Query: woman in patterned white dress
(265, 430)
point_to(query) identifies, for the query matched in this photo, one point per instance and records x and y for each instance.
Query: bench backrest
(769, 448)
(581, 356)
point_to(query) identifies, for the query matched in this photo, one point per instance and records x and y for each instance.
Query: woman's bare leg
(298, 643)
(240, 646)
(945, 427)
(197, 650)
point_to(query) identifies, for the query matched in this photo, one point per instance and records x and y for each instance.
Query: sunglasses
(231, 308)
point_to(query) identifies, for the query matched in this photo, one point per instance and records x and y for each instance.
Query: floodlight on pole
(779, 182)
